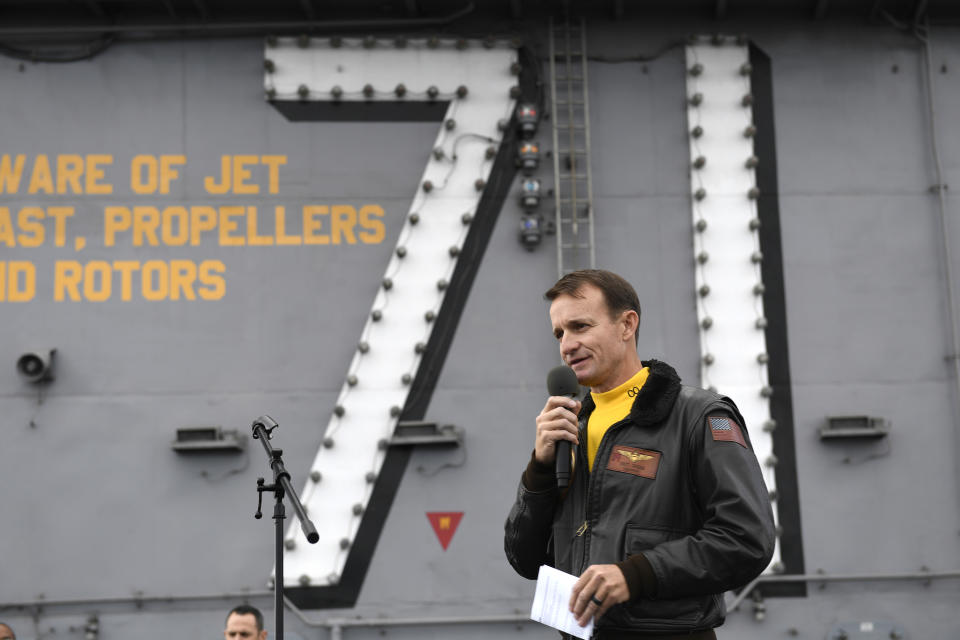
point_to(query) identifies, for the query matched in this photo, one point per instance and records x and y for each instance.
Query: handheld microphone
(562, 381)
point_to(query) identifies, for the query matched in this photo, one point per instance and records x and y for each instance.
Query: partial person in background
(245, 622)
(666, 508)
(6, 633)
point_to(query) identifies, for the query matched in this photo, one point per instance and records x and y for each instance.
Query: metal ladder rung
(580, 245)
(579, 152)
(567, 103)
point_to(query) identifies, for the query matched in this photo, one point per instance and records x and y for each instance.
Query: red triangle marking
(445, 524)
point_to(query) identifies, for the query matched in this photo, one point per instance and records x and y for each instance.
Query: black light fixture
(528, 157)
(530, 193)
(527, 117)
(531, 230)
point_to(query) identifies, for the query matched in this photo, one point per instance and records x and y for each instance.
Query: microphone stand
(262, 427)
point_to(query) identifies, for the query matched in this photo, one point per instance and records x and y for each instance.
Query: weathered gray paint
(96, 505)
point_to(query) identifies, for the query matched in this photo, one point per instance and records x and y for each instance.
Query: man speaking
(666, 507)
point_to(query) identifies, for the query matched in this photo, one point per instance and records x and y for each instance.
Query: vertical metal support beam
(571, 131)
(573, 190)
(556, 147)
(586, 141)
(775, 310)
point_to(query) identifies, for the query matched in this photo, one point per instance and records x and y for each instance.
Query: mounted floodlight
(36, 366)
(530, 193)
(531, 231)
(528, 157)
(527, 118)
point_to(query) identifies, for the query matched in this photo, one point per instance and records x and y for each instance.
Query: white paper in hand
(551, 603)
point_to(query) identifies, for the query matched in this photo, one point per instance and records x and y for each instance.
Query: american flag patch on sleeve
(726, 430)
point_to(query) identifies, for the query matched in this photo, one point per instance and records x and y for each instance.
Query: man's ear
(631, 321)
(263, 635)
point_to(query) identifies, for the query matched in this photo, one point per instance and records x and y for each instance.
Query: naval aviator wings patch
(638, 462)
(726, 430)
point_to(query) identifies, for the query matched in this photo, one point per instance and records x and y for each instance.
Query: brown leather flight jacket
(675, 499)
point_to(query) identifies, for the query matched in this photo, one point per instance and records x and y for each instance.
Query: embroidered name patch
(725, 429)
(638, 462)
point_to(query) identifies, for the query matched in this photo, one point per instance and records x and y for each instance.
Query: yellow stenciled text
(18, 281)
(153, 280)
(28, 226)
(154, 174)
(237, 173)
(238, 226)
(65, 173)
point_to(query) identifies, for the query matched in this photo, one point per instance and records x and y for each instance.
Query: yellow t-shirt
(612, 407)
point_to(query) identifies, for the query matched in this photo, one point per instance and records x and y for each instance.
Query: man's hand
(557, 421)
(602, 583)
